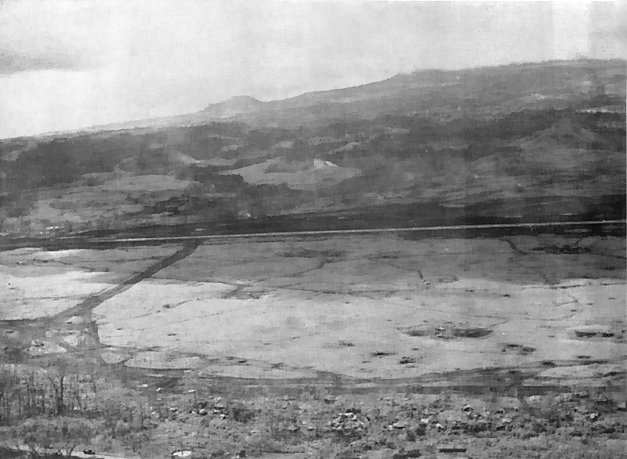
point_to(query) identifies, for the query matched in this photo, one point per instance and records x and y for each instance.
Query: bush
(61, 435)
(241, 413)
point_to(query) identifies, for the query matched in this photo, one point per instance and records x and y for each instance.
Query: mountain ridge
(417, 87)
(517, 134)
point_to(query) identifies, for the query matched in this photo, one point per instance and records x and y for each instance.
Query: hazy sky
(70, 64)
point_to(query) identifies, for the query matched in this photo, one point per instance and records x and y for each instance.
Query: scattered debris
(348, 424)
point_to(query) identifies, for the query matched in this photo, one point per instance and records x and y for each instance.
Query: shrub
(60, 435)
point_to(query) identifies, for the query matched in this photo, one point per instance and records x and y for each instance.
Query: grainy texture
(323, 230)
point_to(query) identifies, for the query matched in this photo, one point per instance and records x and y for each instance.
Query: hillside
(501, 142)
(232, 107)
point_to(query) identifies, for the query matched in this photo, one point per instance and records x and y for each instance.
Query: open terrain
(432, 265)
(346, 346)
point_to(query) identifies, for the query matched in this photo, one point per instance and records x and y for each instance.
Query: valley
(431, 265)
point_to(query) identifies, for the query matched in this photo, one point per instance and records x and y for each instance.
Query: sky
(67, 64)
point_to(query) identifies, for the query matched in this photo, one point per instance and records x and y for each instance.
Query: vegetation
(223, 420)
(428, 137)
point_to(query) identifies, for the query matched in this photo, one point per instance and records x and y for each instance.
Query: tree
(49, 436)
(57, 382)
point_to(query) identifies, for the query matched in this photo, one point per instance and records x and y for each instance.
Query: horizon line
(103, 127)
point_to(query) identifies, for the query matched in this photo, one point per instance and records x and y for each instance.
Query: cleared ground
(358, 306)
(370, 344)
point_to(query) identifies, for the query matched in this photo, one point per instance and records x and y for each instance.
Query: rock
(348, 424)
(400, 424)
(309, 426)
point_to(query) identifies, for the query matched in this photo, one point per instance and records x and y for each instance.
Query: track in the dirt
(95, 300)
(33, 329)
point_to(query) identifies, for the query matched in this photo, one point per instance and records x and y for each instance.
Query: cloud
(608, 31)
(15, 62)
(116, 60)
(47, 35)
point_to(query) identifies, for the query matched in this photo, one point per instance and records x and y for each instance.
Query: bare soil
(340, 347)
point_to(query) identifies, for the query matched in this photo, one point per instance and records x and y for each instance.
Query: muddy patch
(447, 331)
(597, 332)
(565, 249)
(382, 354)
(517, 349)
(388, 256)
(406, 360)
(471, 332)
(309, 253)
